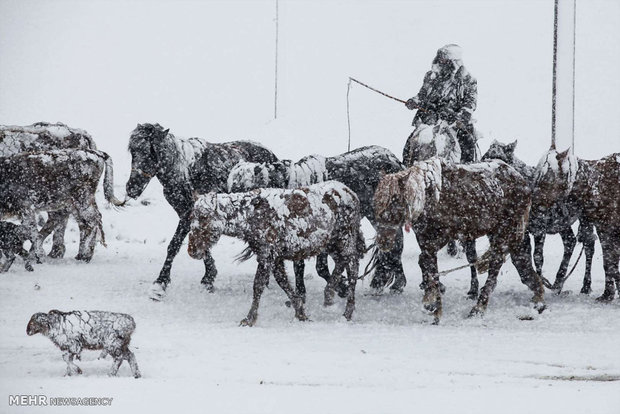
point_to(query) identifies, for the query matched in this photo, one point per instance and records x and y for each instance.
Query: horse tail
(245, 254)
(360, 244)
(108, 181)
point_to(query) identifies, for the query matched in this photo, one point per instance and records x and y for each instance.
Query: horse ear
(510, 148)
(166, 131)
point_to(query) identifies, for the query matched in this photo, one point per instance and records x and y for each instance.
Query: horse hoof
(157, 292)
(540, 307)
(605, 298)
(475, 311)
(56, 253)
(472, 295)
(586, 290)
(29, 268)
(431, 307)
(246, 322)
(396, 290)
(208, 287)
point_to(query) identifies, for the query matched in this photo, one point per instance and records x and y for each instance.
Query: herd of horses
(287, 210)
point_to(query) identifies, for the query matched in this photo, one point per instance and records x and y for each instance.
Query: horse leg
(470, 252)
(29, 222)
(89, 221)
(569, 240)
(539, 247)
(161, 283)
(395, 264)
(263, 271)
(210, 272)
(59, 221)
(611, 255)
(585, 235)
(334, 280)
(353, 266)
(279, 273)
(521, 257)
(430, 281)
(24, 254)
(322, 269)
(495, 263)
(10, 258)
(299, 266)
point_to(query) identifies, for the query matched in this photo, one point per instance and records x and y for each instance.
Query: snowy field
(206, 69)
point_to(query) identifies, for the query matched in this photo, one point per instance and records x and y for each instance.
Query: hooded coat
(449, 93)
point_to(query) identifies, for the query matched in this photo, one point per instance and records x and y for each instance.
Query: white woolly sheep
(94, 330)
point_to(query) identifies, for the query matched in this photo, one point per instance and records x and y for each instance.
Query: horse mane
(308, 170)
(409, 188)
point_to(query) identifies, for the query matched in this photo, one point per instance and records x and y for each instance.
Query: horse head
(555, 176)
(402, 197)
(205, 226)
(146, 156)
(499, 151)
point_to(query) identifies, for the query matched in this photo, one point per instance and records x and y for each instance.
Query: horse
(184, 167)
(360, 170)
(442, 201)
(553, 220)
(594, 185)
(59, 180)
(440, 140)
(278, 225)
(44, 136)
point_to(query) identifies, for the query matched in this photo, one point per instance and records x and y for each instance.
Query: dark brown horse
(595, 187)
(443, 201)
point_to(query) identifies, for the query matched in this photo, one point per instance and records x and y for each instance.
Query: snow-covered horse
(594, 185)
(281, 225)
(184, 167)
(441, 141)
(58, 180)
(444, 201)
(558, 218)
(44, 136)
(428, 141)
(360, 170)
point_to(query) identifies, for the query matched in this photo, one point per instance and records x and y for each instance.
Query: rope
(550, 285)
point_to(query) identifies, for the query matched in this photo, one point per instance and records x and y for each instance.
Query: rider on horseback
(449, 94)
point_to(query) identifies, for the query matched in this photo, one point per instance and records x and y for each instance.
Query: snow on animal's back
(42, 136)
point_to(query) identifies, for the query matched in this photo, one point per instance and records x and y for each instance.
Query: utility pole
(275, 98)
(563, 89)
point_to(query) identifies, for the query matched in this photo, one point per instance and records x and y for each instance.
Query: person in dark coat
(449, 93)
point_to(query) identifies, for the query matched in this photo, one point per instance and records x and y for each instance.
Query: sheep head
(39, 323)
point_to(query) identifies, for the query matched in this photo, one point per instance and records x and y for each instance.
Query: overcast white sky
(207, 69)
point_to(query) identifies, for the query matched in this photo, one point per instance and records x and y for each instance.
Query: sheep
(12, 238)
(95, 330)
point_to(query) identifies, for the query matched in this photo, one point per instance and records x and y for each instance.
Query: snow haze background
(207, 69)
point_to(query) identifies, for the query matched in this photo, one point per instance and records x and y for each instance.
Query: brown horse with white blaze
(443, 201)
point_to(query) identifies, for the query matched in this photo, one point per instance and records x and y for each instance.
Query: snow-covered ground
(194, 357)
(206, 69)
